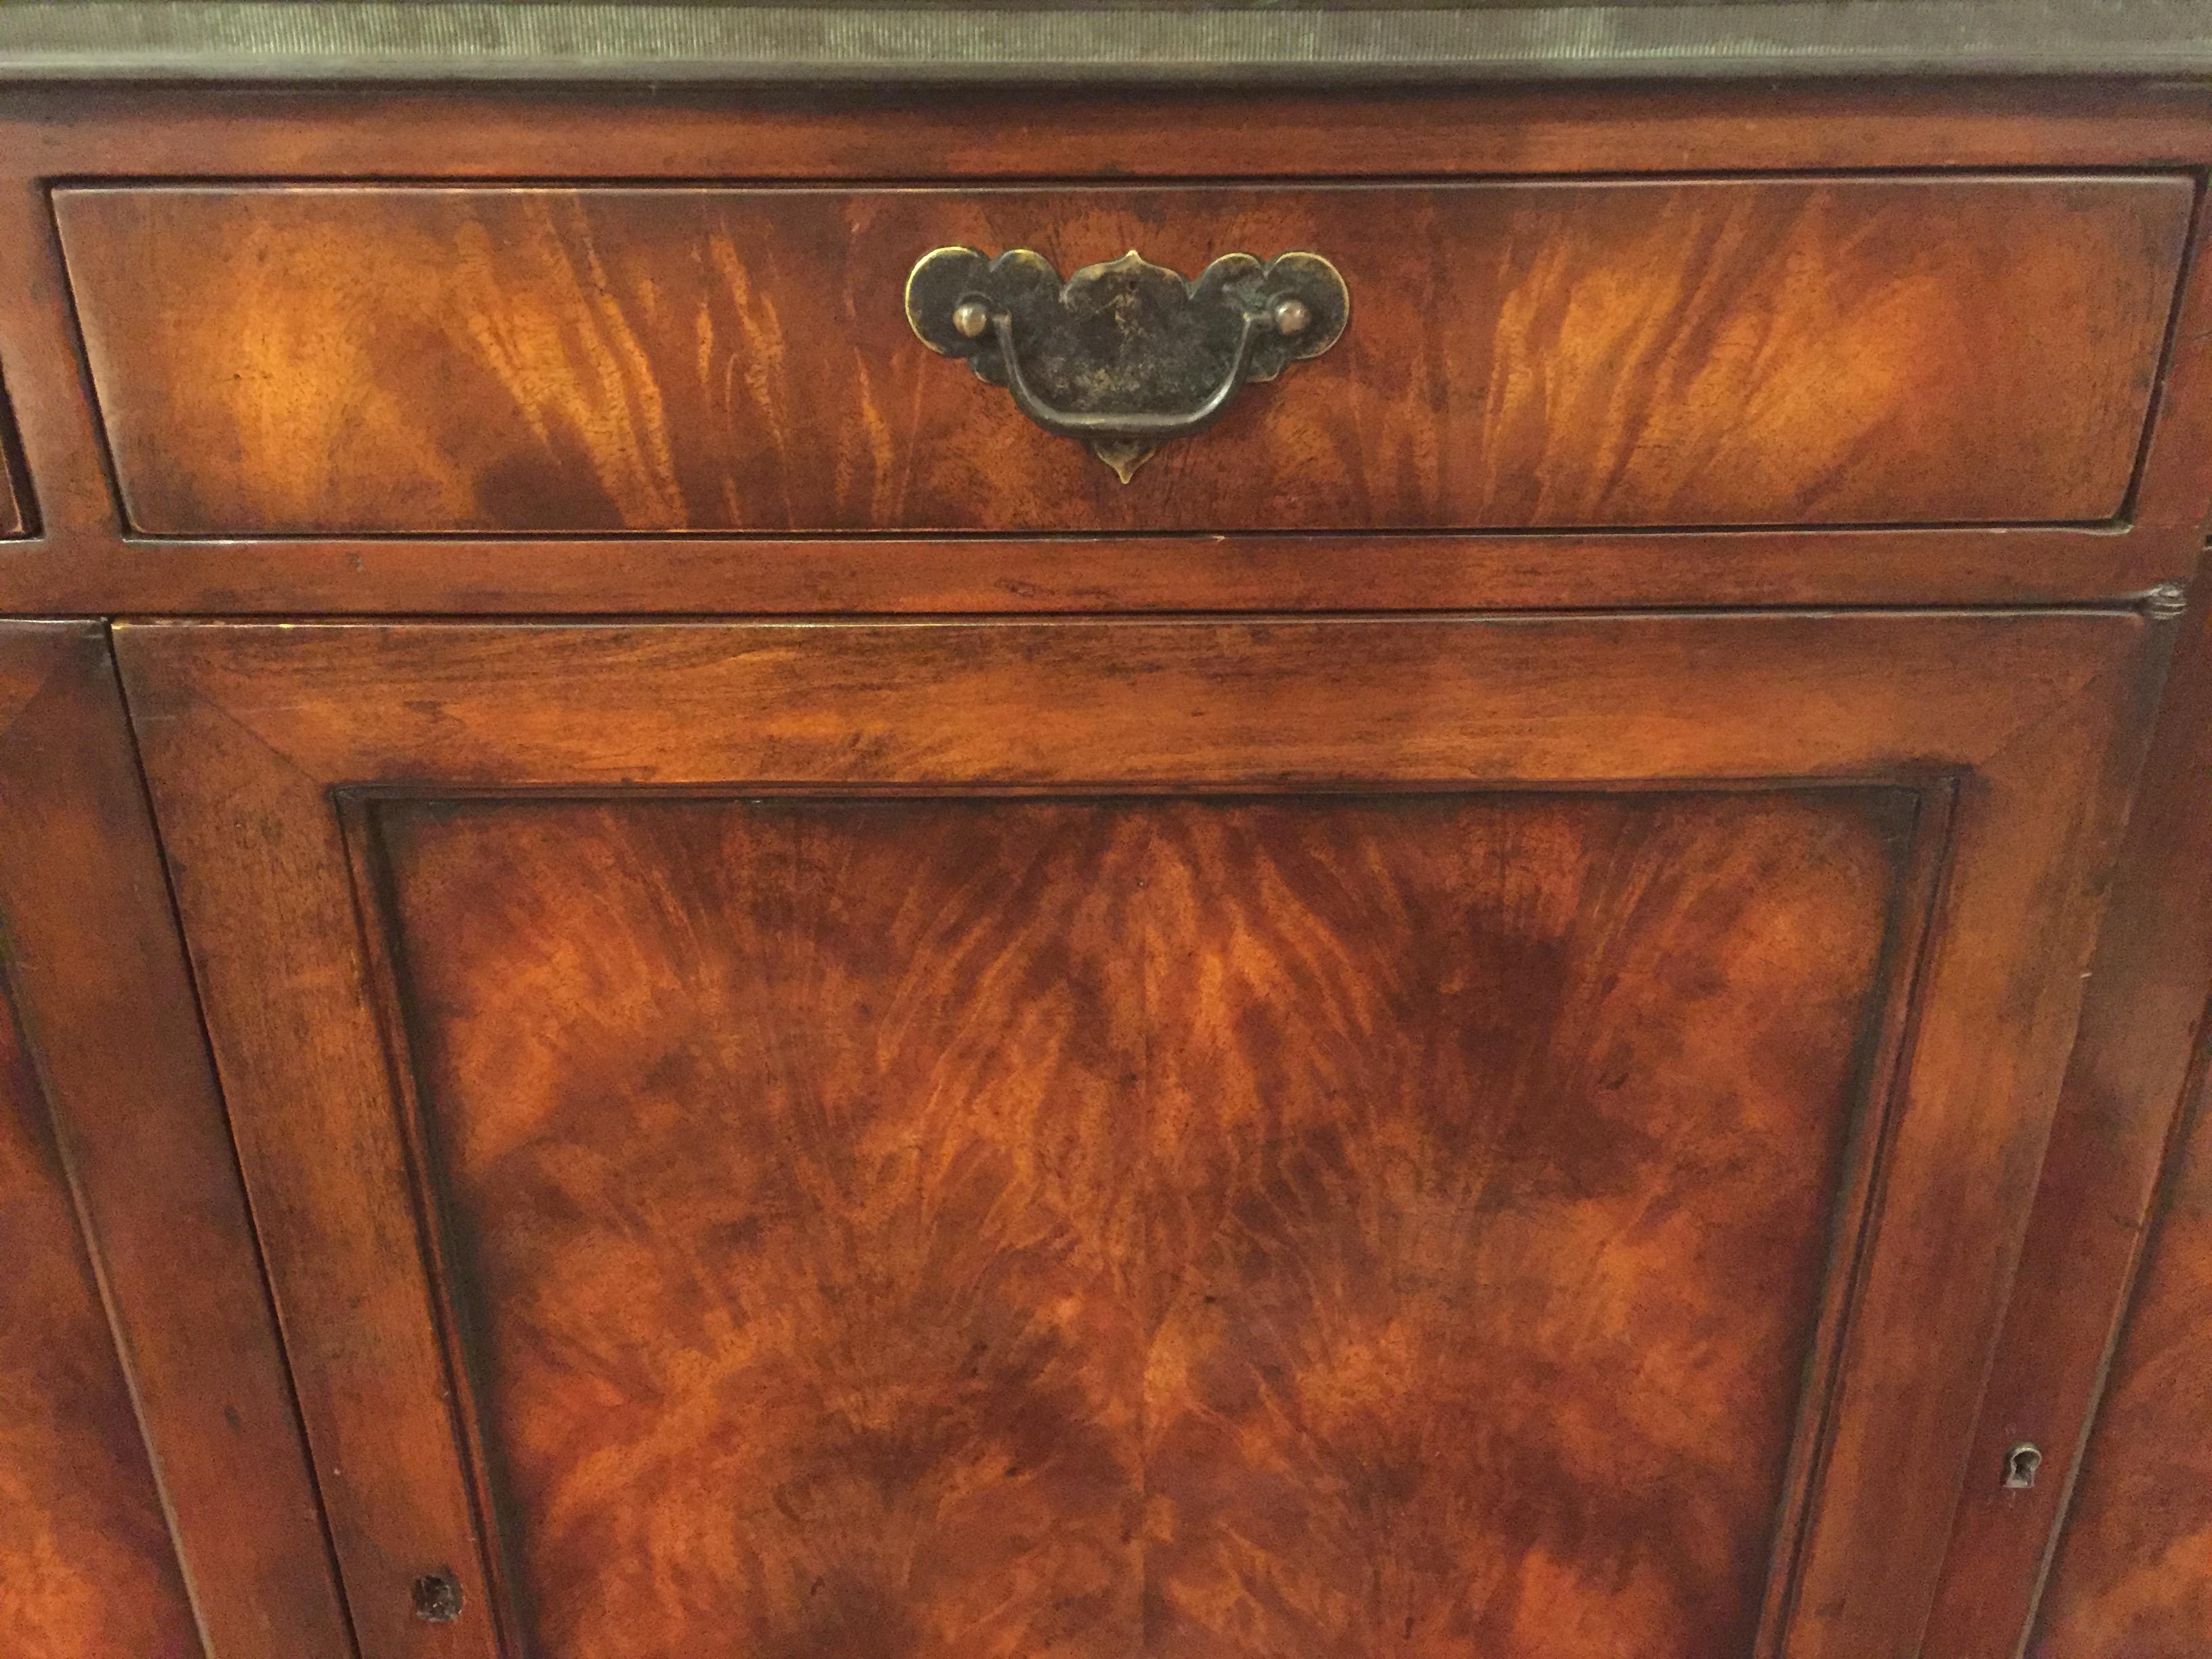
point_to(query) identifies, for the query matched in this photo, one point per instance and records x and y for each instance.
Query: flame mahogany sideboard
(1030, 864)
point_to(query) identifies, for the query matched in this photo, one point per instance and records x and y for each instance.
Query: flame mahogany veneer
(673, 986)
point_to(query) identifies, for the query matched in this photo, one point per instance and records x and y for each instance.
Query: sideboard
(1128, 835)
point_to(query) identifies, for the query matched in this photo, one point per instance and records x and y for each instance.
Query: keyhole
(2021, 1463)
(437, 1598)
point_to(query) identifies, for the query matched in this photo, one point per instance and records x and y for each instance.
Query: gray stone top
(1309, 42)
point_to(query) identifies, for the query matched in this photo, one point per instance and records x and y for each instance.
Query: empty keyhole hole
(437, 1598)
(2021, 1463)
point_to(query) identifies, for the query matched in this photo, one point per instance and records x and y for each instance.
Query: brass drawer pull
(1126, 355)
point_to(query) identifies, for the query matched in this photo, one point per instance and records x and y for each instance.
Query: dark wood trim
(97, 971)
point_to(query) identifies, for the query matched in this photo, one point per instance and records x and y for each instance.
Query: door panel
(133, 1314)
(1271, 1138)
(1301, 1226)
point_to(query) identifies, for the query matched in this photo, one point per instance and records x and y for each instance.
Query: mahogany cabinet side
(2133, 1573)
(102, 997)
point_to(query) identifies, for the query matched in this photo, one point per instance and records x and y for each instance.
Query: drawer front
(275, 360)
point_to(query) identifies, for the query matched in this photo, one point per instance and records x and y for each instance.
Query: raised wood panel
(1095, 1228)
(2133, 1572)
(292, 360)
(418, 1352)
(86, 1565)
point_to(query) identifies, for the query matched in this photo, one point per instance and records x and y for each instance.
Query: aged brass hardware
(2022, 1463)
(1125, 355)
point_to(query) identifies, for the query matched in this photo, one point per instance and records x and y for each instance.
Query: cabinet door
(132, 1308)
(1196, 1139)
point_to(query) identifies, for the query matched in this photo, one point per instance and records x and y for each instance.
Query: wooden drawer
(285, 360)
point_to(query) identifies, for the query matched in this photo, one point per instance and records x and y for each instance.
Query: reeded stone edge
(302, 41)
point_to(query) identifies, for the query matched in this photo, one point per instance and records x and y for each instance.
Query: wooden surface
(86, 562)
(12, 517)
(2133, 1572)
(1092, 1228)
(116, 1169)
(84, 1553)
(2124, 1086)
(307, 716)
(302, 360)
(246, 729)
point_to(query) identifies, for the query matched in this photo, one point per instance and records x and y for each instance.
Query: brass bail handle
(1126, 356)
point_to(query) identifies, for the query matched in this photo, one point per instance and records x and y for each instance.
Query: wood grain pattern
(2126, 1083)
(2014, 727)
(1015, 1228)
(2133, 1572)
(87, 564)
(301, 360)
(119, 1169)
(2031, 724)
(86, 1565)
